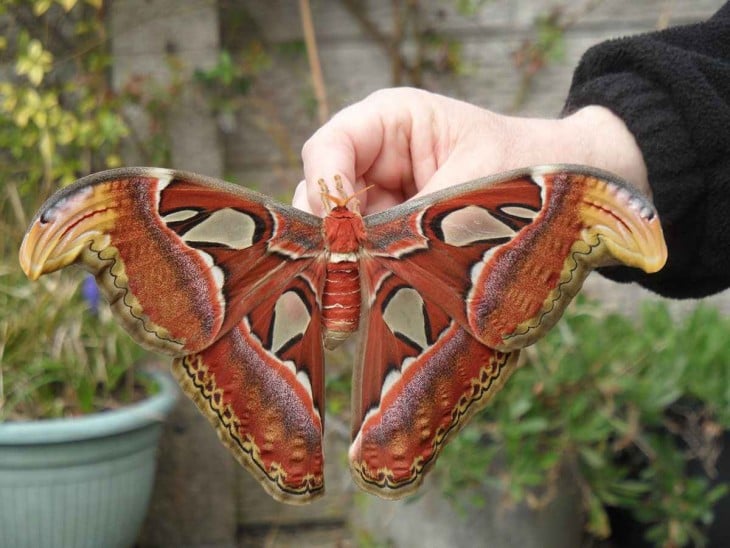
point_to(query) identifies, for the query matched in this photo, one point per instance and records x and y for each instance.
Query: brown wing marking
(421, 377)
(262, 387)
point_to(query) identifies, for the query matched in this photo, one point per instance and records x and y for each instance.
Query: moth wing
(223, 278)
(504, 256)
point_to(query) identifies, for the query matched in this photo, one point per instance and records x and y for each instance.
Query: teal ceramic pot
(83, 481)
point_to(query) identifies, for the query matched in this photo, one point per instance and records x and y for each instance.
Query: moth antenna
(325, 196)
(329, 199)
(361, 191)
(353, 199)
(343, 199)
(340, 187)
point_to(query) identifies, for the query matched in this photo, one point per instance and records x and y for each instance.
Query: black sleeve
(672, 89)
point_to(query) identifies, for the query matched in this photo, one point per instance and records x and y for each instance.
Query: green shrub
(619, 405)
(57, 357)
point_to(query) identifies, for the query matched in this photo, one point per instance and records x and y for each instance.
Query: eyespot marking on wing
(291, 320)
(471, 224)
(227, 227)
(403, 314)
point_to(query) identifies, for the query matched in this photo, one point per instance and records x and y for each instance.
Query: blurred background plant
(59, 116)
(632, 410)
(60, 354)
(57, 357)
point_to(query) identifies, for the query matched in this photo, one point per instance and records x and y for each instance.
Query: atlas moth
(244, 292)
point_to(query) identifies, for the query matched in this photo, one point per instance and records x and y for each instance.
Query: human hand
(407, 142)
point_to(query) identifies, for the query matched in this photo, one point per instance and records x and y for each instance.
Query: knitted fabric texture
(672, 90)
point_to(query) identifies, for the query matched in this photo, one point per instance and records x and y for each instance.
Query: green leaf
(597, 523)
(40, 7)
(85, 394)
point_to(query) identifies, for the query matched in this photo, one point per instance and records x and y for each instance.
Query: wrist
(591, 136)
(601, 139)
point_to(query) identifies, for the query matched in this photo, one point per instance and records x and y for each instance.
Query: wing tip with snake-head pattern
(602, 221)
(624, 219)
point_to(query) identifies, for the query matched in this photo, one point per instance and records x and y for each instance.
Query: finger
(371, 142)
(461, 167)
(380, 199)
(449, 174)
(346, 146)
(300, 199)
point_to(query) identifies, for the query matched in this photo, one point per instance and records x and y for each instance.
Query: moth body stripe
(341, 298)
(335, 257)
(339, 305)
(344, 293)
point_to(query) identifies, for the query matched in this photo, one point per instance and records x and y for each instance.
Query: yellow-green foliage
(59, 119)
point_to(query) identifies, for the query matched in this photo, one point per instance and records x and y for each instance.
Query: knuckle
(387, 95)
